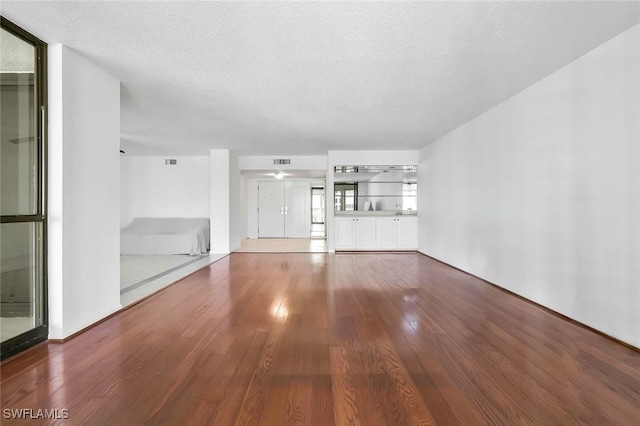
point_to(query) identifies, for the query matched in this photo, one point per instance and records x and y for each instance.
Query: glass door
(23, 313)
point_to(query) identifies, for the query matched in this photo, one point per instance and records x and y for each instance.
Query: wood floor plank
(344, 397)
(321, 410)
(324, 339)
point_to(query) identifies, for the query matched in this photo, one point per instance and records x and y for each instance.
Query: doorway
(318, 229)
(283, 210)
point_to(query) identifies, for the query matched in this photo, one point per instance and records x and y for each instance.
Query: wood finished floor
(322, 339)
(283, 245)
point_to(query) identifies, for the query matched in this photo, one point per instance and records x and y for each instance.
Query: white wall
(226, 214)
(235, 203)
(244, 207)
(298, 162)
(541, 194)
(84, 192)
(252, 207)
(150, 188)
(365, 158)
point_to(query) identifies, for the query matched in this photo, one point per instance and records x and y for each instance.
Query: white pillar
(83, 192)
(226, 217)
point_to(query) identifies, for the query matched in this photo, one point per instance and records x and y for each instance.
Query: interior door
(297, 210)
(271, 206)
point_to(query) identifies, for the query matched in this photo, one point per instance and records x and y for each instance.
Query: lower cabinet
(376, 233)
(355, 233)
(365, 233)
(345, 234)
(386, 233)
(406, 233)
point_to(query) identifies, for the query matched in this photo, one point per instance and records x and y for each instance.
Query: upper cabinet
(376, 188)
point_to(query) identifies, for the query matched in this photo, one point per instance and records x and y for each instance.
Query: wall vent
(170, 162)
(281, 161)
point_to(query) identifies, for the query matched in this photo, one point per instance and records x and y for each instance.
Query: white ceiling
(268, 78)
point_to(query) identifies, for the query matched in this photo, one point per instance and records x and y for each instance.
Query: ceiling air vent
(281, 161)
(170, 162)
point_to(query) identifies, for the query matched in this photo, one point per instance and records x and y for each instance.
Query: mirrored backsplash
(392, 188)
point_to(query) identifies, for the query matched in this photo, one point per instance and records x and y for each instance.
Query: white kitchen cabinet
(406, 233)
(365, 233)
(376, 233)
(397, 233)
(345, 233)
(385, 233)
(355, 233)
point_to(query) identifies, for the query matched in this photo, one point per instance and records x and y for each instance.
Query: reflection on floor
(16, 298)
(13, 326)
(151, 285)
(135, 269)
(283, 245)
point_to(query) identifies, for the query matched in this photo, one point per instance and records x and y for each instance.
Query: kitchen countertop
(360, 213)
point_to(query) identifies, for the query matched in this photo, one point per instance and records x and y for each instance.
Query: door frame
(324, 215)
(40, 333)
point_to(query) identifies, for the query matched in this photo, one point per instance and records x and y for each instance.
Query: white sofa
(149, 235)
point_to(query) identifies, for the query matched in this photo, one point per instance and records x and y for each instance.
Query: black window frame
(40, 333)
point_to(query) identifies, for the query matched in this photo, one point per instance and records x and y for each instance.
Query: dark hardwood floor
(319, 339)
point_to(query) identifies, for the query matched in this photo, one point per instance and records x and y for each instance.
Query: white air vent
(170, 162)
(281, 161)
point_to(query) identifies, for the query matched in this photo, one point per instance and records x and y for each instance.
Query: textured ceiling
(305, 77)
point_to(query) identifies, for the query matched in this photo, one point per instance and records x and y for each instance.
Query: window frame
(40, 333)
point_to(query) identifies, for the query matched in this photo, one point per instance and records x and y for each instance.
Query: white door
(271, 210)
(297, 210)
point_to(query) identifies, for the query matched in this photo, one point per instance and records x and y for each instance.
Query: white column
(226, 217)
(83, 193)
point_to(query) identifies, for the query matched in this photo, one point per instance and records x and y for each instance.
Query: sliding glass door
(23, 313)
